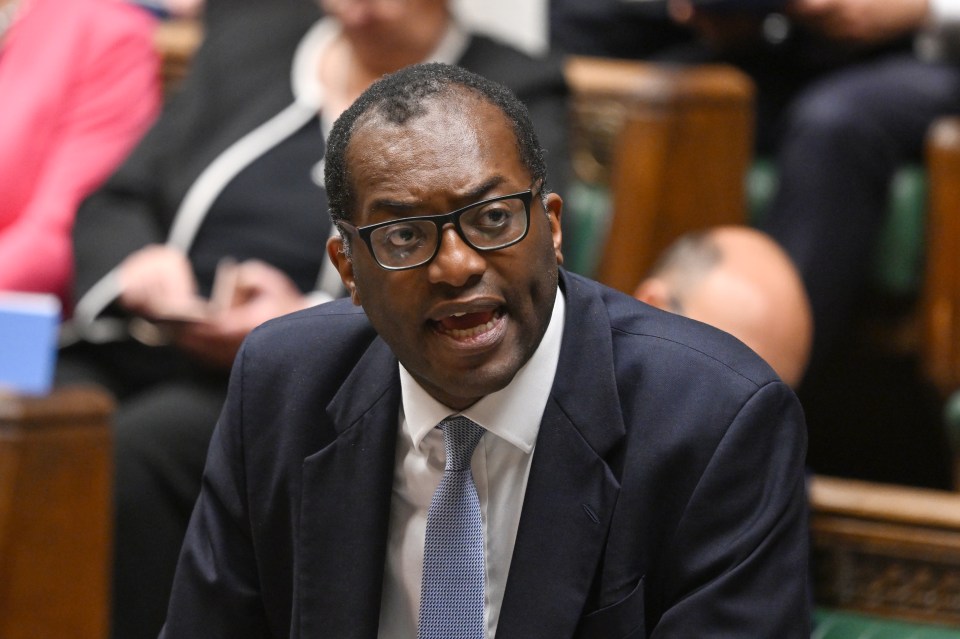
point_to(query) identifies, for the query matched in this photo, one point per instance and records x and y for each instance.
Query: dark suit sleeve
(115, 220)
(216, 591)
(731, 568)
(136, 205)
(540, 84)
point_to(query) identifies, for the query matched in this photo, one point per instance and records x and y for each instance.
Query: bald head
(741, 281)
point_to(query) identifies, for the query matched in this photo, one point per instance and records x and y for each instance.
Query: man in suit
(230, 173)
(637, 474)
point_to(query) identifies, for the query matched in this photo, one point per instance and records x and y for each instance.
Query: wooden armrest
(940, 308)
(55, 515)
(671, 142)
(886, 550)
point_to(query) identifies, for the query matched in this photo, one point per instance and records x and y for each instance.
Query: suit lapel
(346, 505)
(572, 490)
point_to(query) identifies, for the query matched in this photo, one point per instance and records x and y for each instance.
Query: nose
(456, 262)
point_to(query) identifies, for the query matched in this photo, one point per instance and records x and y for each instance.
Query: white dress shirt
(500, 464)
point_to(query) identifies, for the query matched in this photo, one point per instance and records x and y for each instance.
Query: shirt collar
(512, 413)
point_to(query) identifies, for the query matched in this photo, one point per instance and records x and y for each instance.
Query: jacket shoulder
(641, 332)
(326, 328)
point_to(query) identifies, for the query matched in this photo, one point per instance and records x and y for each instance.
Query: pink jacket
(79, 81)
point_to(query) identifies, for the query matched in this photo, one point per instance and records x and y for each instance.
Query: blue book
(29, 323)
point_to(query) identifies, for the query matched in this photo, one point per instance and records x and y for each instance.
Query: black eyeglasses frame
(441, 220)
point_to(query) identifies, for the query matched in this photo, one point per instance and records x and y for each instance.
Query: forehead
(459, 142)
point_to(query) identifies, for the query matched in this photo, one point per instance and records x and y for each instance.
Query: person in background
(80, 85)
(478, 443)
(173, 9)
(217, 222)
(741, 281)
(841, 138)
(846, 90)
(844, 136)
(875, 74)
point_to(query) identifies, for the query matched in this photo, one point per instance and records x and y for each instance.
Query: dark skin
(462, 151)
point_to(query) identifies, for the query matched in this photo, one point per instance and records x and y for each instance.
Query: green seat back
(897, 268)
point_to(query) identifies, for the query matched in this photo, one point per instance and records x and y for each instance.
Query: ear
(655, 292)
(554, 207)
(344, 266)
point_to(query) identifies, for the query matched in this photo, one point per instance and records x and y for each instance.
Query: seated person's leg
(844, 137)
(161, 438)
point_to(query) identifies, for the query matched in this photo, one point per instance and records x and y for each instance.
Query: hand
(157, 282)
(863, 21)
(261, 292)
(721, 31)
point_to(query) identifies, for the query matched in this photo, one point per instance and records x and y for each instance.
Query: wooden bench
(940, 314)
(55, 515)
(671, 144)
(885, 550)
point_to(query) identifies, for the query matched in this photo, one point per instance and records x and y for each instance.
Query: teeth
(463, 333)
(459, 314)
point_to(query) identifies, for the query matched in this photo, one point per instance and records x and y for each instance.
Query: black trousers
(167, 407)
(844, 136)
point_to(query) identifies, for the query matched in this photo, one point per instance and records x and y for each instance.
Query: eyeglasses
(410, 242)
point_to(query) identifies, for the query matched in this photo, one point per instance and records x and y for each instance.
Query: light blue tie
(451, 590)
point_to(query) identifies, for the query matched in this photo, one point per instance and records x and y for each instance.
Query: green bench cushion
(898, 257)
(833, 624)
(897, 268)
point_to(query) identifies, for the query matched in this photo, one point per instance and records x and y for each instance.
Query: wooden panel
(55, 515)
(940, 314)
(671, 142)
(886, 550)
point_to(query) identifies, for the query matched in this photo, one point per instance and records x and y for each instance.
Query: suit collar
(572, 490)
(585, 387)
(346, 504)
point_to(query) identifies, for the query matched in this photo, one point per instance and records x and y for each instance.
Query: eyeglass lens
(486, 226)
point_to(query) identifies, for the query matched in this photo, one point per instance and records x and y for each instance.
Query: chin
(483, 381)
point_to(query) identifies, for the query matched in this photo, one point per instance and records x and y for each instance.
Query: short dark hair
(684, 263)
(401, 96)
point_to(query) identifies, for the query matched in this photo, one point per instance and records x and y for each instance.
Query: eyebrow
(399, 208)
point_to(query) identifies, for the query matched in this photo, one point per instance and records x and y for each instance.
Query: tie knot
(460, 437)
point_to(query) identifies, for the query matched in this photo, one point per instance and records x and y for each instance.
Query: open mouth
(464, 326)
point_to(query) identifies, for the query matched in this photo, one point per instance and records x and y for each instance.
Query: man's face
(465, 323)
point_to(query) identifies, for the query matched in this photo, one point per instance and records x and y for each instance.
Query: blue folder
(28, 342)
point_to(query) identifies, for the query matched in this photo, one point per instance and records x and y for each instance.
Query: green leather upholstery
(586, 212)
(898, 258)
(832, 624)
(899, 253)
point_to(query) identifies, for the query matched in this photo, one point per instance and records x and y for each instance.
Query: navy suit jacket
(666, 496)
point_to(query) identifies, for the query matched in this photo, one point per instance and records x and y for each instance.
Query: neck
(356, 60)
(377, 54)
